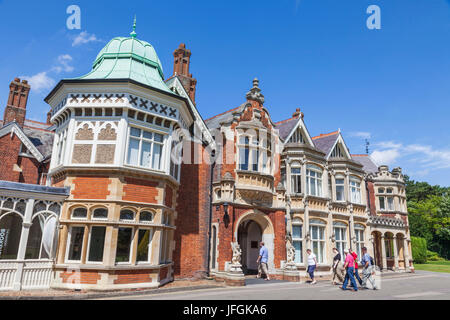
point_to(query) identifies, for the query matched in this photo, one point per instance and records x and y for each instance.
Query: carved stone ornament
(236, 260)
(290, 254)
(255, 92)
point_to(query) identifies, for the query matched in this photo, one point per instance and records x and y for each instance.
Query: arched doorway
(376, 236)
(249, 237)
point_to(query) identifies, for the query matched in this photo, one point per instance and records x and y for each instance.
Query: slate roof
(42, 139)
(226, 116)
(285, 127)
(368, 165)
(8, 185)
(325, 142)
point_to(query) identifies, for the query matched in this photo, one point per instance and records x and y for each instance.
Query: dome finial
(133, 33)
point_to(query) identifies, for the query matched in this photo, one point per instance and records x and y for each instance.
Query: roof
(285, 127)
(324, 142)
(226, 116)
(41, 139)
(129, 58)
(16, 186)
(368, 165)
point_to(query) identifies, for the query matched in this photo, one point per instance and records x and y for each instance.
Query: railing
(34, 274)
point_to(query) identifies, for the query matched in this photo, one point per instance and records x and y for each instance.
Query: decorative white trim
(13, 128)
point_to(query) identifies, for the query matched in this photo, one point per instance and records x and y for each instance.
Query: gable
(339, 150)
(299, 134)
(13, 128)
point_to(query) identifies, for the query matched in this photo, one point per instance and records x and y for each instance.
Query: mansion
(127, 186)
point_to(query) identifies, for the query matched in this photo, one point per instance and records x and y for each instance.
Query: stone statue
(237, 252)
(290, 253)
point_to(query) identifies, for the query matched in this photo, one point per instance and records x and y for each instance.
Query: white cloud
(83, 38)
(360, 134)
(424, 158)
(40, 81)
(63, 64)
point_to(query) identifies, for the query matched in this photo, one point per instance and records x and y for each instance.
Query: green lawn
(436, 266)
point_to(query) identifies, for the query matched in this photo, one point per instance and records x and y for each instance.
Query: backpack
(372, 263)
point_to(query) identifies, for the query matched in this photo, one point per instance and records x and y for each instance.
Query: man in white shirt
(312, 264)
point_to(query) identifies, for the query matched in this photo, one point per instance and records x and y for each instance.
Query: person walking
(338, 271)
(355, 256)
(368, 271)
(312, 265)
(262, 260)
(350, 267)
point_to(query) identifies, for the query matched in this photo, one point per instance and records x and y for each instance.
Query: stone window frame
(97, 126)
(89, 244)
(75, 207)
(354, 189)
(150, 244)
(92, 211)
(69, 239)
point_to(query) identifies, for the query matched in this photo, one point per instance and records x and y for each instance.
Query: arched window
(100, 213)
(35, 238)
(297, 239)
(126, 214)
(317, 234)
(10, 231)
(146, 216)
(359, 235)
(314, 180)
(340, 236)
(79, 213)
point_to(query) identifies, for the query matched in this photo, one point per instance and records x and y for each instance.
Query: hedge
(419, 249)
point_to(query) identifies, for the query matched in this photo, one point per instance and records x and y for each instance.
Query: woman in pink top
(350, 266)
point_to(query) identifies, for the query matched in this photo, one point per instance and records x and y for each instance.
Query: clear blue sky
(392, 84)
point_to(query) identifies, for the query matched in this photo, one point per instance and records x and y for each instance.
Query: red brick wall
(9, 152)
(83, 277)
(191, 236)
(133, 276)
(169, 196)
(91, 187)
(163, 273)
(140, 190)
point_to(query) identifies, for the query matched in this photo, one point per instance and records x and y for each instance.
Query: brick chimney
(16, 106)
(182, 57)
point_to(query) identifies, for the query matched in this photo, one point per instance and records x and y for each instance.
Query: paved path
(421, 285)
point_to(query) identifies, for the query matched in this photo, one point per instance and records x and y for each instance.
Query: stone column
(346, 186)
(333, 186)
(383, 252)
(406, 253)
(394, 241)
(325, 183)
(288, 178)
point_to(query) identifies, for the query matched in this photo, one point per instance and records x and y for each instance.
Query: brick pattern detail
(90, 187)
(191, 236)
(132, 276)
(168, 200)
(140, 190)
(83, 277)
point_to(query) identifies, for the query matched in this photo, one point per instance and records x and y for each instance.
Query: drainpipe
(210, 213)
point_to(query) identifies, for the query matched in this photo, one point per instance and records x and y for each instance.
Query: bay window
(317, 233)
(314, 180)
(144, 246)
(340, 195)
(296, 179)
(124, 239)
(145, 148)
(355, 190)
(297, 240)
(96, 244)
(340, 236)
(75, 243)
(255, 153)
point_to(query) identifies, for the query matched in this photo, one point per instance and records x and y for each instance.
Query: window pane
(143, 245)
(97, 243)
(76, 243)
(148, 135)
(123, 245)
(126, 215)
(314, 232)
(79, 213)
(146, 216)
(340, 193)
(10, 231)
(297, 231)
(135, 132)
(145, 154)
(243, 158)
(100, 213)
(255, 159)
(156, 156)
(35, 238)
(158, 137)
(382, 203)
(298, 251)
(133, 152)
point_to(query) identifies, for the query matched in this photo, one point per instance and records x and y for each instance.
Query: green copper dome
(129, 58)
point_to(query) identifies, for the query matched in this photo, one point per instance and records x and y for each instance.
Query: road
(421, 285)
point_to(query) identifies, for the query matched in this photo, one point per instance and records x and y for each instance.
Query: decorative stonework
(255, 92)
(107, 133)
(82, 153)
(105, 153)
(85, 133)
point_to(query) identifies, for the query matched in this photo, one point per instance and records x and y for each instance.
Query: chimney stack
(16, 106)
(182, 57)
(297, 114)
